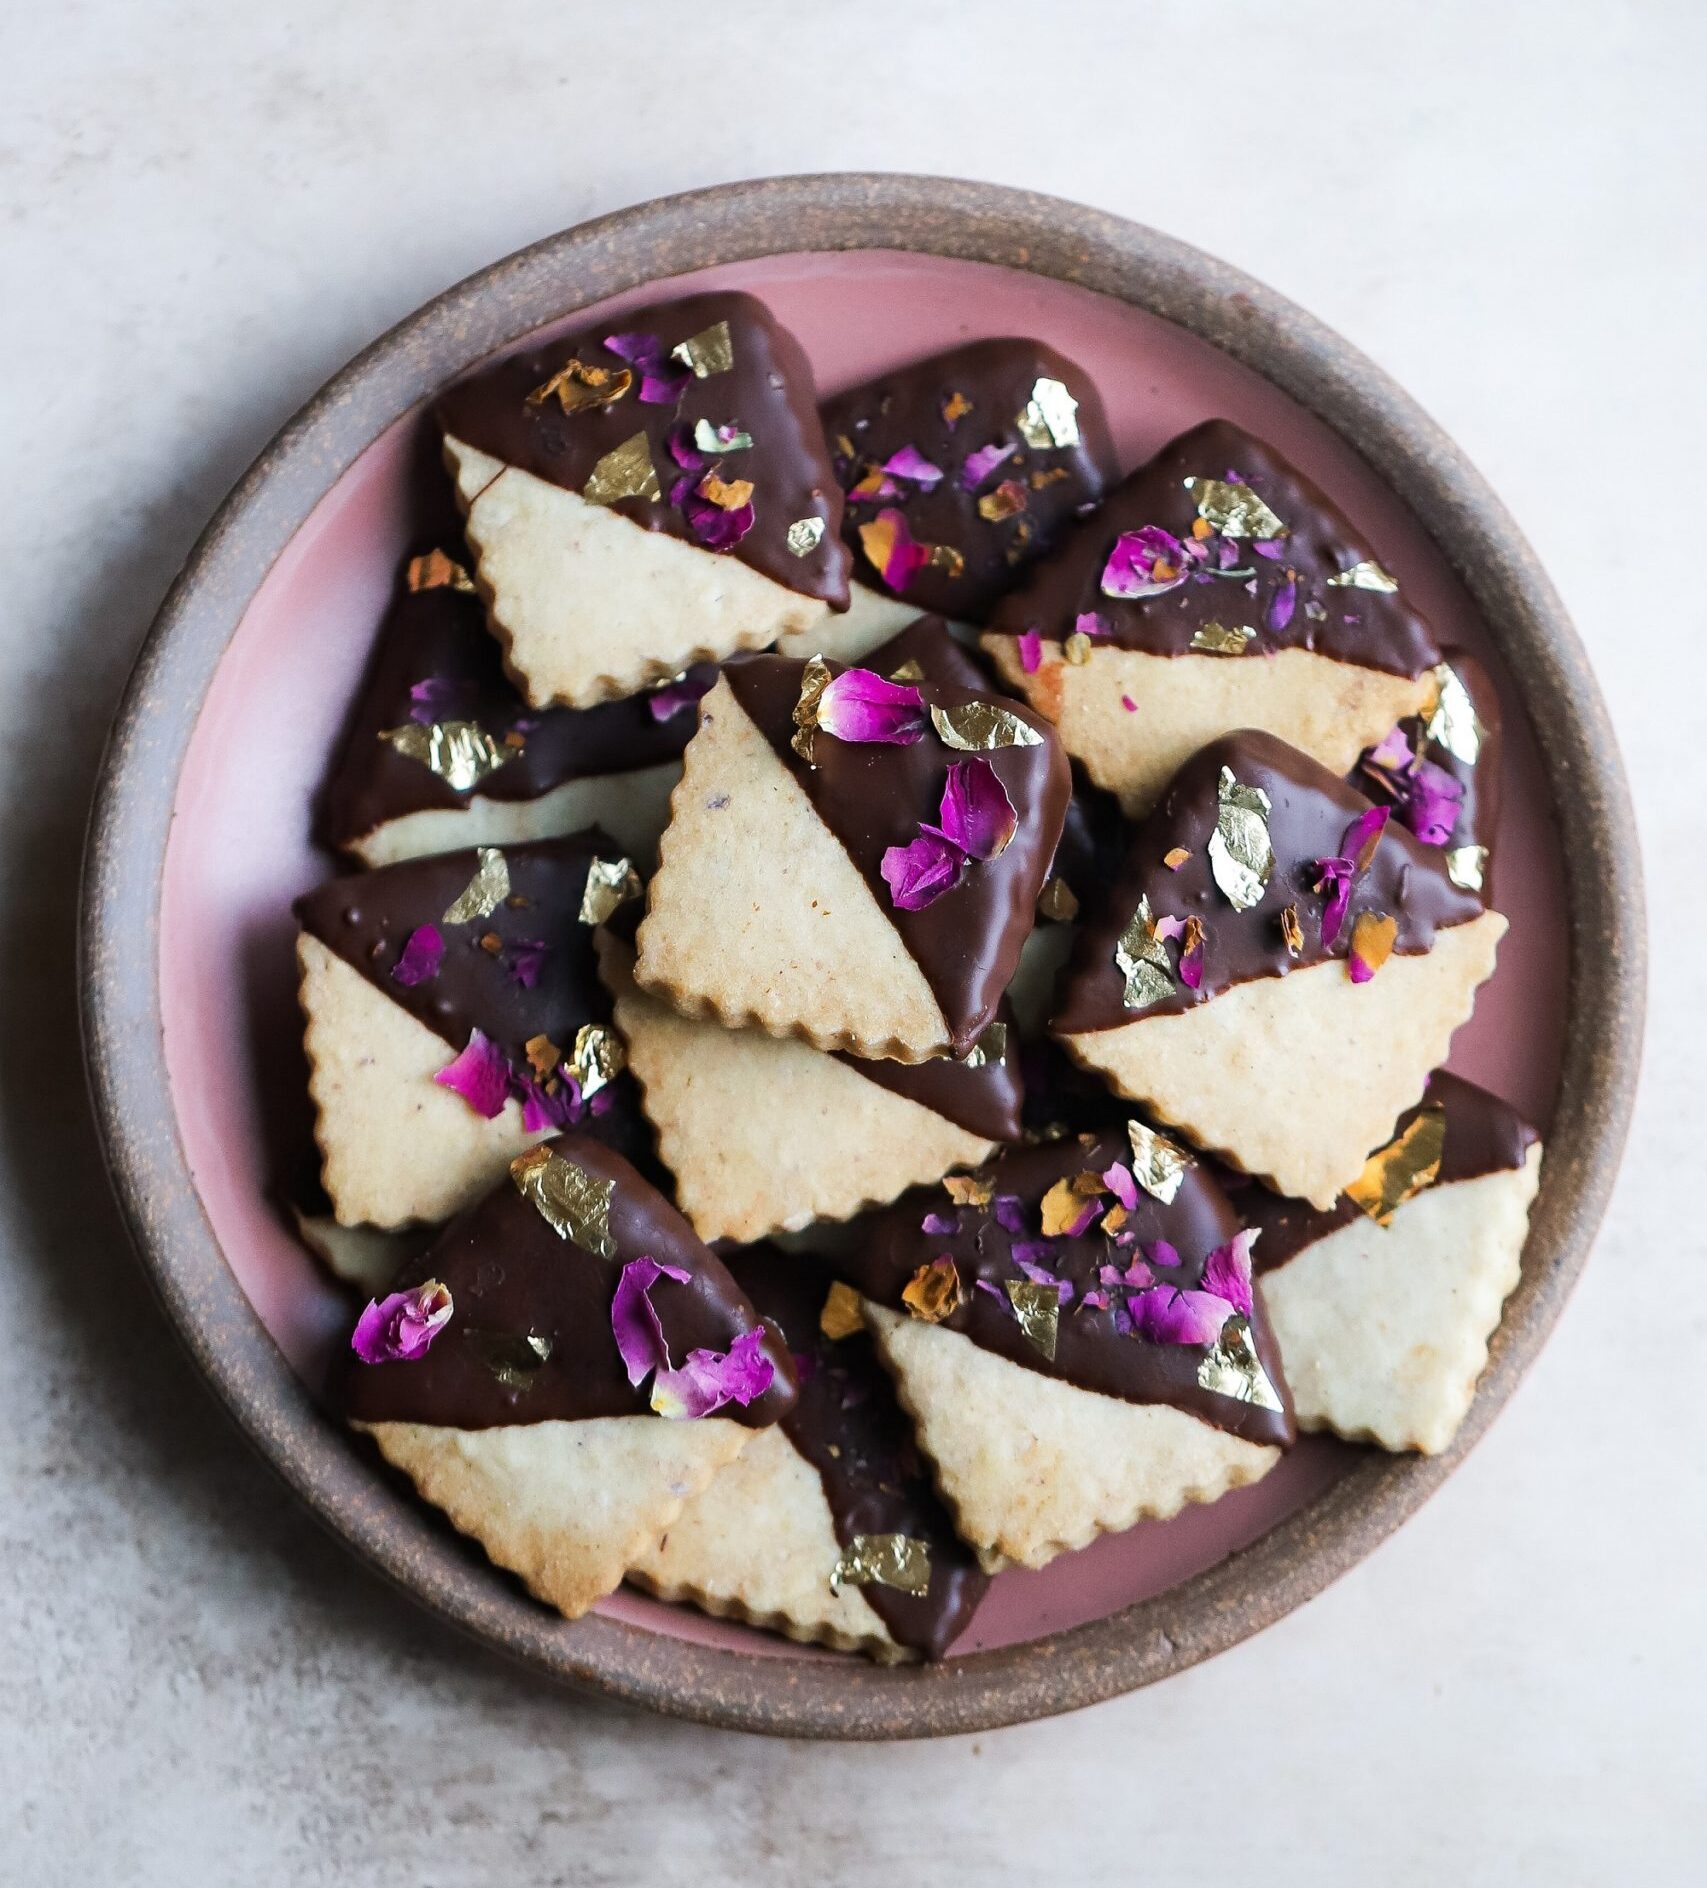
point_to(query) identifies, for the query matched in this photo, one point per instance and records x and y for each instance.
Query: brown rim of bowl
(811, 1696)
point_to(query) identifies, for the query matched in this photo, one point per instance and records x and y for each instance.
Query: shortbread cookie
(441, 753)
(454, 1014)
(564, 1367)
(1277, 967)
(1440, 771)
(648, 494)
(1075, 1335)
(366, 1258)
(867, 890)
(826, 1528)
(1217, 588)
(1383, 1305)
(765, 1134)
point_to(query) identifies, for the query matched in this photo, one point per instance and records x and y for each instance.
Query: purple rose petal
(634, 1319)
(420, 958)
(918, 874)
(977, 466)
(1144, 563)
(667, 702)
(911, 464)
(480, 1075)
(1166, 1315)
(401, 1327)
(708, 1379)
(1030, 651)
(976, 814)
(1227, 1271)
(1122, 1185)
(858, 705)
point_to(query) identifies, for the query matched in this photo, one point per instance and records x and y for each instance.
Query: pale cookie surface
(757, 914)
(591, 606)
(1296, 1078)
(361, 1256)
(1331, 710)
(768, 1135)
(1384, 1329)
(1032, 1467)
(569, 1506)
(395, 1146)
(759, 1544)
(870, 619)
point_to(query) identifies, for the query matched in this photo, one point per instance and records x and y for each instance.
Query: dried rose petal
(480, 1075)
(544, 1108)
(1041, 1275)
(422, 954)
(892, 548)
(1119, 1181)
(401, 1327)
(1432, 800)
(918, 874)
(1282, 604)
(977, 466)
(1092, 623)
(1144, 563)
(634, 1319)
(683, 450)
(527, 959)
(667, 702)
(909, 463)
(976, 814)
(717, 528)
(1166, 1315)
(1030, 651)
(708, 1379)
(1336, 876)
(858, 705)
(661, 379)
(1010, 1212)
(1227, 1271)
(438, 698)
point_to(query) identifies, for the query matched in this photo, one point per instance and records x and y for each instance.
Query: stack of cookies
(886, 1018)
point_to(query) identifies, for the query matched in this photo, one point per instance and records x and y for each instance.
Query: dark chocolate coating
(867, 424)
(1367, 627)
(1093, 840)
(440, 637)
(1484, 1135)
(928, 642)
(872, 796)
(848, 1425)
(1090, 1352)
(985, 1101)
(511, 1276)
(1310, 813)
(768, 392)
(366, 919)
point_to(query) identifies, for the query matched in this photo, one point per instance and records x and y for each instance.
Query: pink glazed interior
(239, 850)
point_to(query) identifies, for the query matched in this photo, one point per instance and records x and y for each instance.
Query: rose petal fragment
(422, 954)
(859, 705)
(976, 814)
(480, 1075)
(401, 1327)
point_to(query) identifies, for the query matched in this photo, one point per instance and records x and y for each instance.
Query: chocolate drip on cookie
(712, 385)
(1310, 814)
(927, 649)
(1096, 1344)
(848, 1425)
(1217, 544)
(983, 1091)
(529, 1338)
(979, 466)
(874, 796)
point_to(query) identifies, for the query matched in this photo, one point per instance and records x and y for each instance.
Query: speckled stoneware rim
(132, 813)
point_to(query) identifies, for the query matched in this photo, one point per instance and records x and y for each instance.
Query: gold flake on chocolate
(1403, 1168)
(933, 1292)
(1058, 902)
(709, 352)
(514, 1360)
(1453, 723)
(1240, 854)
(947, 559)
(461, 753)
(969, 1189)
(1142, 959)
(989, 1049)
(1038, 1310)
(579, 386)
(841, 1316)
(726, 494)
(437, 571)
(599, 1058)
(483, 893)
(805, 535)
(707, 438)
(1292, 931)
(575, 1204)
(1006, 501)
(1372, 938)
(626, 471)
(1467, 867)
(1157, 1164)
(1222, 639)
(814, 679)
(611, 883)
(909, 671)
(543, 1055)
(1232, 1368)
(1367, 575)
(980, 727)
(1234, 510)
(955, 407)
(1077, 648)
(896, 1560)
(1049, 418)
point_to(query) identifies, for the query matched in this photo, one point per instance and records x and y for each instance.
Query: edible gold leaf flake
(980, 727)
(1367, 575)
(1142, 959)
(707, 438)
(1403, 1168)
(805, 535)
(543, 1055)
(485, 892)
(1222, 639)
(575, 1204)
(437, 571)
(626, 471)
(1233, 510)
(512, 1358)
(1038, 1309)
(956, 407)
(840, 1316)
(1372, 937)
(1057, 901)
(611, 883)
(1453, 723)
(933, 1292)
(461, 753)
(989, 1049)
(814, 679)
(1157, 1165)
(909, 671)
(1292, 931)
(1077, 648)
(947, 559)
(709, 352)
(1467, 867)
(896, 1560)
(726, 494)
(599, 1058)
(579, 386)
(1050, 417)
(1240, 854)
(1006, 501)
(1232, 1368)
(969, 1189)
